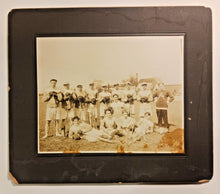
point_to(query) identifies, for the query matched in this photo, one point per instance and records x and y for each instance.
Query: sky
(111, 59)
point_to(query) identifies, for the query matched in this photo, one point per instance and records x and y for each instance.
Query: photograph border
(113, 35)
(192, 167)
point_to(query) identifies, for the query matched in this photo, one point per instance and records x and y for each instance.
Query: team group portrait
(110, 94)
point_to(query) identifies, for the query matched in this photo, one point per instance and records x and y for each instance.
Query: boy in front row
(75, 131)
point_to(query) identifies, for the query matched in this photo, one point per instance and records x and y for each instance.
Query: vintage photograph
(110, 94)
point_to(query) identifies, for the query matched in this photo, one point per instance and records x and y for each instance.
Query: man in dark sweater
(162, 98)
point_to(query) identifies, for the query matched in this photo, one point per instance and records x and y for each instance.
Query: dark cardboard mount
(194, 166)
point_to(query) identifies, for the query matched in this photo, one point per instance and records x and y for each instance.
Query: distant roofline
(173, 84)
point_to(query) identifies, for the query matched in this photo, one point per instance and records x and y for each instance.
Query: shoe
(44, 137)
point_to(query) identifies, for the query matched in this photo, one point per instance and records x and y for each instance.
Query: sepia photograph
(110, 94)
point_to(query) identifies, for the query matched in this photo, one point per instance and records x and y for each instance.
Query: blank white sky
(83, 59)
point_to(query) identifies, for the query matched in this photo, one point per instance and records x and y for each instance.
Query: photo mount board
(194, 166)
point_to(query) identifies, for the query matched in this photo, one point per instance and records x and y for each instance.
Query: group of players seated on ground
(111, 128)
(115, 109)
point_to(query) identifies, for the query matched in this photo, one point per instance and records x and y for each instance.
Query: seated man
(145, 125)
(75, 131)
(108, 125)
(108, 129)
(125, 124)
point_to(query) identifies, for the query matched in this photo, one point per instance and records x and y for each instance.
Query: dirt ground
(171, 142)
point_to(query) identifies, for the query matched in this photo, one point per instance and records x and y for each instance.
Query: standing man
(145, 97)
(162, 97)
(67, 110)
(104, 99)
(116, 90)
(92, 95)
(129, 96)
(52, 97)
(117, 106)
(80, 102)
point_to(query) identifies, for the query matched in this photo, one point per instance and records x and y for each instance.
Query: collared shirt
(108, 123)
(128, 92)
(145, 94)
(67, 101)
(126, 122)
(117, 107)
(92, 93)
(118, 92)
(103, 95)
